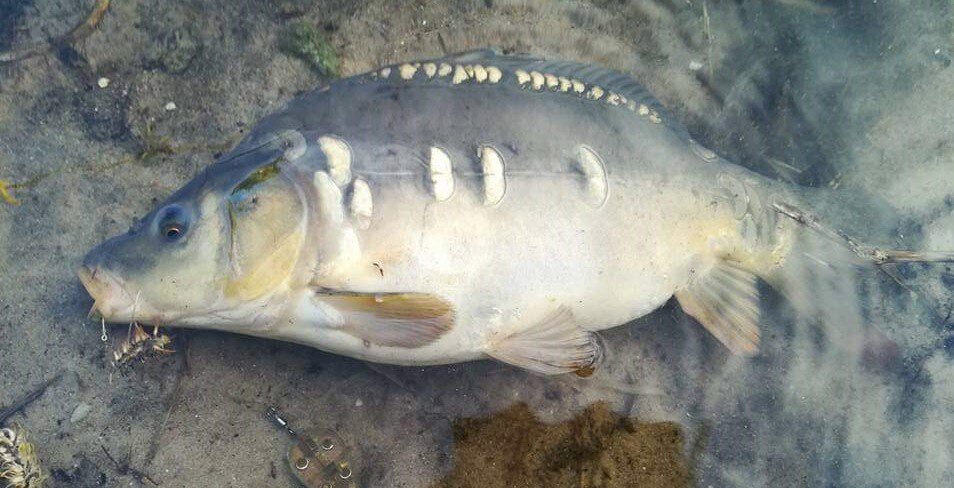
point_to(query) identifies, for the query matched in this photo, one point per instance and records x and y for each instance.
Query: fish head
(211, 256)
(165, 266)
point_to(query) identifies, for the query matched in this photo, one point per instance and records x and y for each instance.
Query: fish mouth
(110, 298)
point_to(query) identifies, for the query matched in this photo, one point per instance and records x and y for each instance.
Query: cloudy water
(108, 107)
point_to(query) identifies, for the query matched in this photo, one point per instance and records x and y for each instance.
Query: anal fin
(408, 320)
(553, 345)
(726, 302)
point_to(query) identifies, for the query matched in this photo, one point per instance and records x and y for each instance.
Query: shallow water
(855, 96)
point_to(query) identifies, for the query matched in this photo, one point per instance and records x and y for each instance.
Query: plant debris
(6, 194)
(141, 345)
(19, 466)
(307, 43)
(125, 469)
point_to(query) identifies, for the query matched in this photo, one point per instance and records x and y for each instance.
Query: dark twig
(184, 370)
(440, 40)
(81, 31)
(125, 469)
(391, 375)
(22, 402)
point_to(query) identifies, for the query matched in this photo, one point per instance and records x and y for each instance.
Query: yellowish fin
(408, 320)
(553, 345)
(726, 302)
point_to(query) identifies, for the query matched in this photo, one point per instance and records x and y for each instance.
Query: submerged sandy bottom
(855, 97)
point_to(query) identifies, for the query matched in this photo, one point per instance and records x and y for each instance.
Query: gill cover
(266, 227)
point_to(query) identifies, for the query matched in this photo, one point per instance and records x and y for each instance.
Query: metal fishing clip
(318, 459)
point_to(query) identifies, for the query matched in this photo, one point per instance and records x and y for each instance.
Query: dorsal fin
(608, 79)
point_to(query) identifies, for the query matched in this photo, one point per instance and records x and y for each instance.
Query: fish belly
(545, 246)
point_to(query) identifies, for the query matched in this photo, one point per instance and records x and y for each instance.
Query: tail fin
(868, 254)
(827, 278)
(817, 276)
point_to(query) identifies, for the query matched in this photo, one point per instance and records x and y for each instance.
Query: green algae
(308, 43)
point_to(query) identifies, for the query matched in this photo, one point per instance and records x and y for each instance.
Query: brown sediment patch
(597, 448)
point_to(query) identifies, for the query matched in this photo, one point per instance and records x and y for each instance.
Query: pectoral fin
(407, 320)
(726, 302)
(553, 345)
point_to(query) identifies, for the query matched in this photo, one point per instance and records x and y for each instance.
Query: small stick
(81, 31)
(22, 402)
(708, 30)
(390, 375)
(173, 403)
(89, 24)
(124, 468)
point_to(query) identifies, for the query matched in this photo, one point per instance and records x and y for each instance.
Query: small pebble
(358, 403)
(80, 412)
(171, 106)
(103, 82)
(695, 65)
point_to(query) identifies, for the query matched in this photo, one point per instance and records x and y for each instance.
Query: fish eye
(172, 232)
(172, 225)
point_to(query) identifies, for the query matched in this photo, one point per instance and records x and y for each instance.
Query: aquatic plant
(19, 466)
(141, 345)
(306, 42)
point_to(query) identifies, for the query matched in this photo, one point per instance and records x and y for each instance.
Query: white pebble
(358, 403)
(695, 65)
(103, 82)
(171, 106)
